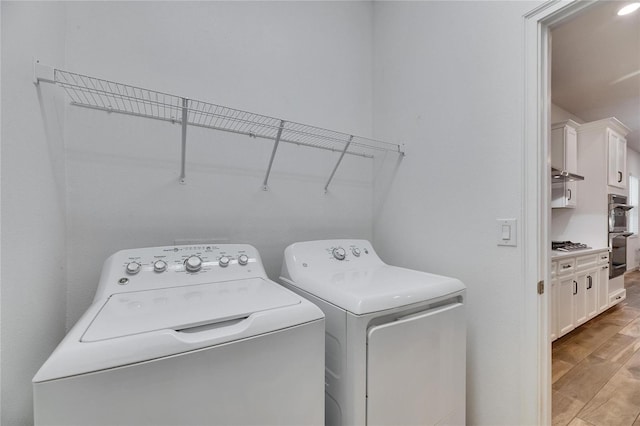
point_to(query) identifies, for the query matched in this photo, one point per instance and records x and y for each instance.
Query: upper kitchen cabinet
(617, 162)
(608, 133)
(564, 164)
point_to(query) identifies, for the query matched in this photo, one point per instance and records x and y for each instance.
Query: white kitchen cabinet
(579, 290)
(566, 291)
(603, 282)
(617, 160)
(585, 296)
(602, 157)
(590, 287)
(617, 292)
(564, 156)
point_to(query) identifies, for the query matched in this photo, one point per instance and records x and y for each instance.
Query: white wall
(449, 81)
(303, 61)
(33, 210)
(560, 114)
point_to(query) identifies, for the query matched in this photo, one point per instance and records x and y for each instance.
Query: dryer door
(416, 369)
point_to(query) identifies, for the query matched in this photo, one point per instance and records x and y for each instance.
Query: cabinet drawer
(554, 269)
(603, 258)
(617, 297)
(566, 267)
(586, 262)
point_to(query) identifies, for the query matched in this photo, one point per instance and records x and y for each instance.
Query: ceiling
(595, 66)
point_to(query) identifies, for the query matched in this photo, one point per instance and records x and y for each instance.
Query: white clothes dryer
(395, 338)
(187, 335)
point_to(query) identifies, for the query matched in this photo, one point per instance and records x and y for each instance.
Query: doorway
(536, 197)
(537, 224)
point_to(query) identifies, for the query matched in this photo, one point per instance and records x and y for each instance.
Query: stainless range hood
(559, 176)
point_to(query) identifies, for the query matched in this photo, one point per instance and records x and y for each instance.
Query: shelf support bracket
(185, 116)
(344, 151)
(42, 72)
(273, 155)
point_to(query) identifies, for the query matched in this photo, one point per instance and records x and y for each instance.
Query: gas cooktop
(567, 246)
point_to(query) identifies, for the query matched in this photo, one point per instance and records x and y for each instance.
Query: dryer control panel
(171, 266)
(329, 256)
(348, 250)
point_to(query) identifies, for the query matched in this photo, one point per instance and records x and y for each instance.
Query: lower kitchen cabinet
(554, 301)
(565, 305)
(579, 291)
(603, 282)
(587, 297)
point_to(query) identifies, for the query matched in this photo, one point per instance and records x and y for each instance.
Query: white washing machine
(187, 335)
(395, 338)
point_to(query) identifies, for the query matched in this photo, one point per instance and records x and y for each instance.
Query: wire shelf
(122, 98)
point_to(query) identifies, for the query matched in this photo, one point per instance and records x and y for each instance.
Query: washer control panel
(160, 267)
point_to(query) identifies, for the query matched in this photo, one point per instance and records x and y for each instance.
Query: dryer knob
(193, 264)
(243, 259)
(224, 261)
(133, 268)
(160, 266)
(355, 251)
(339, 253)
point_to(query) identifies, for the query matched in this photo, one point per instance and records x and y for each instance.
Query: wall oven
(618, 213)
(618, 233)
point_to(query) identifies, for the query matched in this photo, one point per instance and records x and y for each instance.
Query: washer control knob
(243, 259)
(193, 263)
(224, 261)
(339, 253)
(355, 251)
(133, 268)
(160, 266)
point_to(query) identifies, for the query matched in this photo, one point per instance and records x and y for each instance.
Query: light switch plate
(507, 232)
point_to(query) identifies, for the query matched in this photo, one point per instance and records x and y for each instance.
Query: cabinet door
(580, 298)
(564, 156)
(565, 304)
(617, 162)
(564, 195)
(591, 293)
(570, 149)
(621, 160)
(603, 288)
(571, 194)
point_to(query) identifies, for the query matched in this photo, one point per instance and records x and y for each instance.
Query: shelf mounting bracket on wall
(326, 187)
(110, 96)
(185, 114)
(273, 155)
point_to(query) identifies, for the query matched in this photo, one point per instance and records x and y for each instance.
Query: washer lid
(179, 308)
(365, 290)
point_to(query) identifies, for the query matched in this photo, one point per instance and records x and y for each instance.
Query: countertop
(555, 254)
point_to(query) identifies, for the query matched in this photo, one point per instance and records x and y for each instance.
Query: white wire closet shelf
(122, 98)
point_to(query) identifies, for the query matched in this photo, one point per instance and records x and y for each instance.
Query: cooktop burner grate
(567, 246)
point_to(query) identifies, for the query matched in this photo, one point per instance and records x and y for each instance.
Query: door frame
(536, 203)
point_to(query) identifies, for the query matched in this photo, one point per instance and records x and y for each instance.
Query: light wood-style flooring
(596, 367)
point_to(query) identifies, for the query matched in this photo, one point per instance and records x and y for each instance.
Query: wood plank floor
(596, 367)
